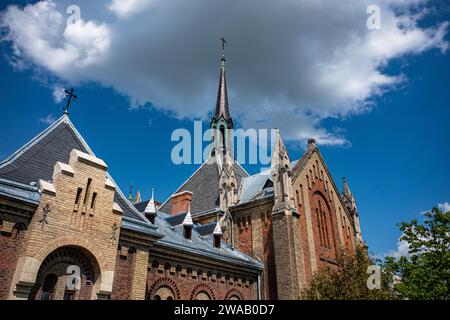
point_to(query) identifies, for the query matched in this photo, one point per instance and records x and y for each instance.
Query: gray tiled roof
(206, 229)
(201, 243)
(204, 185)
(254, 185)
(36, 159)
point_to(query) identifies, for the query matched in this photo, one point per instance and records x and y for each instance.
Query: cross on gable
(70, 94)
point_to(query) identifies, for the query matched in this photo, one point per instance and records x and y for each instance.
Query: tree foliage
(347, 280)
(425, 274)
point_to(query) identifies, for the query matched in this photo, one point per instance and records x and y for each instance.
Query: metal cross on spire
(70, 94)
(224, 42)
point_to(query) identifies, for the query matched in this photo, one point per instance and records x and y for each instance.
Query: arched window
(319, 226)
(202, 295)
(48, 288)
(222, 133)
(164, 293)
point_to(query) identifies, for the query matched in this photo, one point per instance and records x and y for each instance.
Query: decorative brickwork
(183, 281)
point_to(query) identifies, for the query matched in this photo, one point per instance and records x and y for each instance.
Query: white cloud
(125, 8)
(291, 63)
(445, 207)
(48, 120)
(402, 250)
(58, 94)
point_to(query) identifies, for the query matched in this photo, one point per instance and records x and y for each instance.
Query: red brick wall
(304, 240)
(123, 276)
(269, 275)
(10, 245)
(327, 244)
(244, 234)
(186, 284)
(181, 202)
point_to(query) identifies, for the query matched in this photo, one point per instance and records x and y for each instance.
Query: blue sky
(394, 154)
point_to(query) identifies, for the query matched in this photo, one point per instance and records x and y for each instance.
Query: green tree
(347, 280)
(425, 274)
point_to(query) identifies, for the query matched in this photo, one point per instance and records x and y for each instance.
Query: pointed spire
(187, 222)
(137, 197)
(130, 195)
(345, 189)
(217, 230)
(280, 156)
(222, 109)
(151, 208)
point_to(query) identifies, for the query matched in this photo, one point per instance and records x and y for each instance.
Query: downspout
(259, 286)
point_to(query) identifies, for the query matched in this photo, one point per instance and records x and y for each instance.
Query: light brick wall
(68, 224)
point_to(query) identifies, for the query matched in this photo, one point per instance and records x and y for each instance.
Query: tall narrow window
(326, 229)
(94, 198)
(222, 132)
(319, 225)
(298, 198)
(77, 198)
(301, 194)
(88, 188)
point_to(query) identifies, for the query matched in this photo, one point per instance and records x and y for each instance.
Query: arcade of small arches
(167, 289)
(178, 270)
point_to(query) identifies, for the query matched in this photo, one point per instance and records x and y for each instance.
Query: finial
(130, 195)
(151, 208)
(70, 94)
(312, 141)
(218, 229)
(187, 222)
(224, 42)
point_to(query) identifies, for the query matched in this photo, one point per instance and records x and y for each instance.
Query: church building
(67, 231)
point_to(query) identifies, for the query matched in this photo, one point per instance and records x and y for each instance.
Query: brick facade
(10, 246)
(191, 282)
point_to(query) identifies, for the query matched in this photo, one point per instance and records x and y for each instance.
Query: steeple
(346, 189)
(151, 208)
(350, 203)
(222, 123)
(130, 195)
(222, 108)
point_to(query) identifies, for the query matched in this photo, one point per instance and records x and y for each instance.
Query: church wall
(11, 237)
(123, 275)
(259, 242)
(313, 184)
(184, 281)
(90, 225)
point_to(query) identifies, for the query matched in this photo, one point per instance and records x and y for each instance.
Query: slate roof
(204, 185)
(206, 229)
(253, 186)
(36, 159)
(201, 242)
